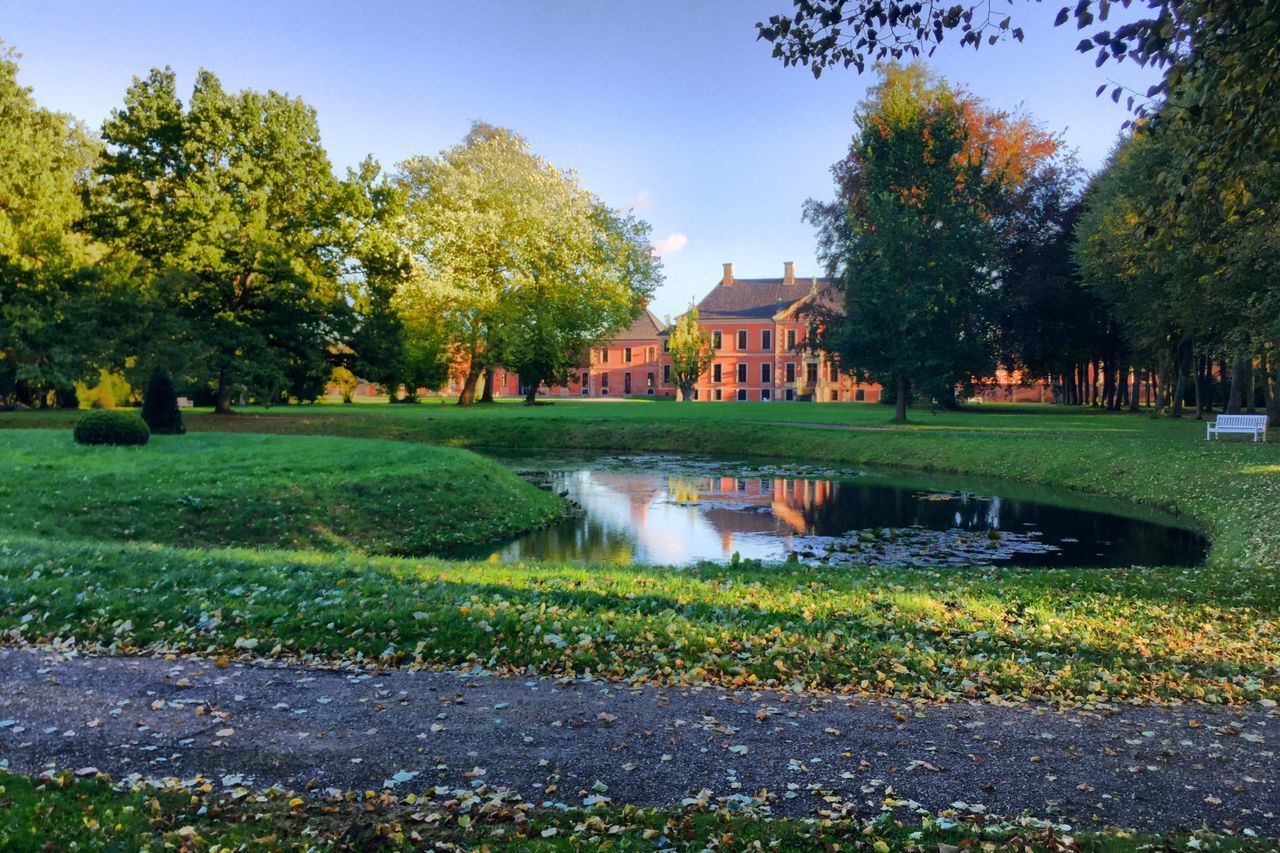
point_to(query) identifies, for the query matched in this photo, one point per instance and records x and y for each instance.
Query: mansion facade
(759, 330)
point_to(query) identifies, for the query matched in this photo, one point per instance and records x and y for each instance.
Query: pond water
(675, 510)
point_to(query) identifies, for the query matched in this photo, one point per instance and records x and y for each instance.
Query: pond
(680, 510)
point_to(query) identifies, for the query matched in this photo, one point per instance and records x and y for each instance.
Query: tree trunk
(1199, 380)
(1250, 388)
(468, 394)
(1273, 405)
(1264, 372)
(1135, 394)
(490, 375)
(1183, 356)
(222, 404)
(1109, 384)
(1237, 386)
(904, 391)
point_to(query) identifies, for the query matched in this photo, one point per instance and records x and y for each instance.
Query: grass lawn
(1206, 632)
(323, 494)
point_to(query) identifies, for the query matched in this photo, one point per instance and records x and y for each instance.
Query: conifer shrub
(160, 405)
(111, 426)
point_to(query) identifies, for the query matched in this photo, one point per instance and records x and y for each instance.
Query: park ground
(172, 564)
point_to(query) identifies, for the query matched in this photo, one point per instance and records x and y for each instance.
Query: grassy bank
(64, 813)
(210, 490)
(1071, 634)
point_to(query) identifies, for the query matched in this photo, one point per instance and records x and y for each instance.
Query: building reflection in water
(679, 519)
(634, 515)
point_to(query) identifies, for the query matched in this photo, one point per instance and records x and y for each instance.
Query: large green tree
(51, 296)
(912, 240)
(386, 350)
(522, 265)
(232, 205)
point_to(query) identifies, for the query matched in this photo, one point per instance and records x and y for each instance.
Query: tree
(160, 405)
(912, 240)
(379, 265)
(232, 205)
(50, 294)
(521, 265)
(689, 347)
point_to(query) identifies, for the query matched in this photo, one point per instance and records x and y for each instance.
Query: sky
(671, 109)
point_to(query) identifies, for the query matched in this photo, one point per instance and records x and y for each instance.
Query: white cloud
(670, 244)
(640, 203)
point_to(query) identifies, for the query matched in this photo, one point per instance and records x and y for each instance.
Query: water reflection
(656, 510)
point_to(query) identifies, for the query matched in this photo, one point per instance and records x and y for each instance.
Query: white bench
(1255, 425)
(184, 403)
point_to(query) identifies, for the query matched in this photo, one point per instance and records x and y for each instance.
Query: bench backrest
(1249, 421)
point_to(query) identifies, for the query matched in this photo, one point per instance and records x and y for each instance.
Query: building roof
(645, 328)
(755, 298)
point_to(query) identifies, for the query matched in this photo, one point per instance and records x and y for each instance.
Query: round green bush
(111, 426)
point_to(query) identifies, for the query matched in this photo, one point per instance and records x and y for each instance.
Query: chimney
(788, 272)
(728, 275)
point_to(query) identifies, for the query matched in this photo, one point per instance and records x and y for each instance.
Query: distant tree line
(213, 239)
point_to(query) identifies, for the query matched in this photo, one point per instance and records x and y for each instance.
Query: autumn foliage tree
(914, 236)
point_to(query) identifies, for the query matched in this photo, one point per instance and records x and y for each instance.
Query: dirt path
(1146, 768)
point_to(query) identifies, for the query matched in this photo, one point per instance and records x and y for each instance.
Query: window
(715, 373)
(695, 393)
(604, 383)
(648, 382)
(766, 373)
(835, 372)
(604, 356)
(766, 340)
(790, 394)
(742, 371)
(586, 390)
(791, 338)
(716, 340)
(766, 394)
(742, 393)
(791, 372)
(717, 395)
(666, 345)
(626, 383)
(811, 373)
(650, 354)
(860, 395)
(626, 355)
(666, 374)
(742, 340)
(835, 395)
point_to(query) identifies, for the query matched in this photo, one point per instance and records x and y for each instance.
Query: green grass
(65, 813)
(1202, 633)
(209, 490)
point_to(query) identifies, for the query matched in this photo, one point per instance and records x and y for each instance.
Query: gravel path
(1150, 768)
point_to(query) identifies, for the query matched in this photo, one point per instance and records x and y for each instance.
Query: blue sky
(670, 107)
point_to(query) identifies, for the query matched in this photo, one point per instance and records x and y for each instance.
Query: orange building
(760, 329)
